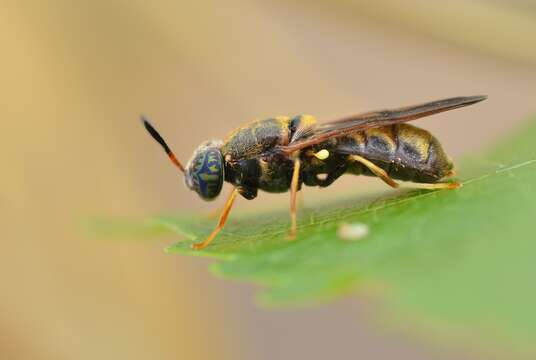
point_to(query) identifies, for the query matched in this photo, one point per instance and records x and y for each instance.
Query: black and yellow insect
(282, 153)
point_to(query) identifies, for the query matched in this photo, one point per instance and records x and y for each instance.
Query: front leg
(221, 223)
(248, 193)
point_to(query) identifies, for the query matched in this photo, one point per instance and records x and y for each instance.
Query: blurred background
(75, 77)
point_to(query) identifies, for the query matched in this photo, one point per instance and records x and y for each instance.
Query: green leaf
(454, 262)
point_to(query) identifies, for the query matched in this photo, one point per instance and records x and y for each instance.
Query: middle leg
(293, 192)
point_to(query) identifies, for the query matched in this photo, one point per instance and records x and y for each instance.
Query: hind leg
(382, 174)
(376, 170)
(437, 186)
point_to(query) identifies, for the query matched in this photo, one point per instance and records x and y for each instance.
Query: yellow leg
(221, 223)
(437, 186)
(379, 172)
(376, 170)
(214, 213)
(293, 192)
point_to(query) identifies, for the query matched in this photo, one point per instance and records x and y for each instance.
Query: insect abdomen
(404, 151)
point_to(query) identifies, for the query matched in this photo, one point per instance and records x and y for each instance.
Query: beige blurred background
(76, 75)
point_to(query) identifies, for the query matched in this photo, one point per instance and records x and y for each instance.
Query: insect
(283, 153)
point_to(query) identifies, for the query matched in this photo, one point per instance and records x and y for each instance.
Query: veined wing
(374, 119)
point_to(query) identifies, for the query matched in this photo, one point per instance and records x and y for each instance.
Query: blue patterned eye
(205, 172)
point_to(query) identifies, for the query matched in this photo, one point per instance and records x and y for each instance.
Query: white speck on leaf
(353, 231)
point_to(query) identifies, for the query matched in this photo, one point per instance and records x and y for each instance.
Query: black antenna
(162, 142)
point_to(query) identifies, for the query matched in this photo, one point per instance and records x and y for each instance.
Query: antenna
(162, 142)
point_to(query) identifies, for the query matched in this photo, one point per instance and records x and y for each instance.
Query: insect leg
(221, 223)
(293, 192)
(437, 186)
(214, 213)
(376, 170)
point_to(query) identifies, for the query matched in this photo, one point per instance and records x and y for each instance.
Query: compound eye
(206, 173)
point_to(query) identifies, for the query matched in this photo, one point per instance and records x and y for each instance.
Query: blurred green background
(75, 77)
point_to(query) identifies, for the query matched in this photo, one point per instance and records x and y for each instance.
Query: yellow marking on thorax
(283, 119)
(307, 120)
(284, 122)
(306, 125)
